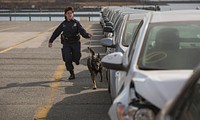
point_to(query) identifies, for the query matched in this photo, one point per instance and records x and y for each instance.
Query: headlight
(125, 113)
(133, 113)
(144, 114)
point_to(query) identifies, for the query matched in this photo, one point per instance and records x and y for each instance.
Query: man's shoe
(72, 76)
(77, 63)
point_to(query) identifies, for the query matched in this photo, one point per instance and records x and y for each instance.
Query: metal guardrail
(10, 15)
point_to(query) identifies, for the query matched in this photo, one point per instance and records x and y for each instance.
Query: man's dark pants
(71, 52)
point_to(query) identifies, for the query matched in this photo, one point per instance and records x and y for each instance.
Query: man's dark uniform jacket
(70, 30)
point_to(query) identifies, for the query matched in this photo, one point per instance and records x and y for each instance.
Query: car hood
(158, 87)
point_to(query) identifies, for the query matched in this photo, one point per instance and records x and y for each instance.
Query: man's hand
(90, 35)
(50, 45)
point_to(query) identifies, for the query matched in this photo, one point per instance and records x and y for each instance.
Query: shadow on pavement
(85, 106)
(30, 84)
(83, 82)
(82, 102)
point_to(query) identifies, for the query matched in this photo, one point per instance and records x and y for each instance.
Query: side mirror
(104, 16)
(113, 61)
(109, 24)
(107, 29)
(107, 42)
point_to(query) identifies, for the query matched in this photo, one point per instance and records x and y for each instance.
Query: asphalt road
(34, 83)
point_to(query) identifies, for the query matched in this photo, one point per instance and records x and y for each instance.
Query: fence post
(10, 18)
(29, 17)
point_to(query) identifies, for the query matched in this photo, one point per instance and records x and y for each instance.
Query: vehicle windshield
(173, 45)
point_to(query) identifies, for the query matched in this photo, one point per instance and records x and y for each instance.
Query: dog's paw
(94, 87)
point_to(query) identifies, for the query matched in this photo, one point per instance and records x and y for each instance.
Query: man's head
(69, 13)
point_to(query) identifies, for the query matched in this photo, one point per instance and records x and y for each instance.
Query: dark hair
(68, 9)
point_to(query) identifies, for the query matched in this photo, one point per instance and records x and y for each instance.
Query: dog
(95, 67)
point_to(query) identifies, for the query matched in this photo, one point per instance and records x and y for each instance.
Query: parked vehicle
(113, 17)
(103, 16)
(106, 14)
(161, 57)
(120, 40)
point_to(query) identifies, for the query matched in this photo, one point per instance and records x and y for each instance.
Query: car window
(133, 42)
(129, 31)
(174, 45)
(116, 20)
(115, 16)
(109, 14)
(118, 26)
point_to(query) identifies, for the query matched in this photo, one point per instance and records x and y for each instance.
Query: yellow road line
(42, 111)
(1, 30)
(14, 46)
(16, 26)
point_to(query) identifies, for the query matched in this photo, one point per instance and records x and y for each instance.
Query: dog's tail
(92, 51)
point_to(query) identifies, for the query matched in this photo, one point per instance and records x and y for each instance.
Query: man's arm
(82, 31)
(56, 33)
